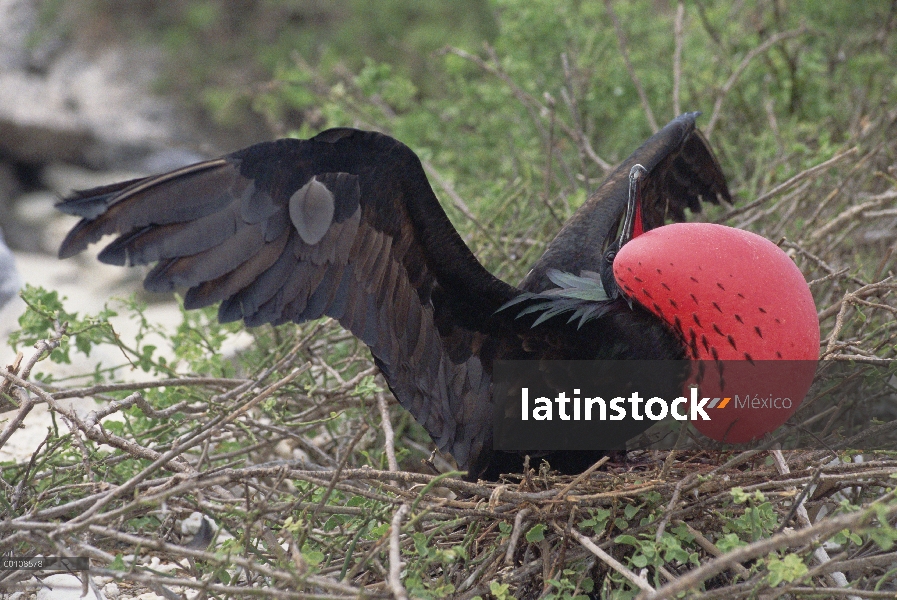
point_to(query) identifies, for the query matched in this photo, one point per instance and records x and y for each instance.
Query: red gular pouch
(745, 313)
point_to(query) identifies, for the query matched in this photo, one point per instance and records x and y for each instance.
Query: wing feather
(150, 244)
(194, 269)
(210, 186)
(344, 225)
(233, 282)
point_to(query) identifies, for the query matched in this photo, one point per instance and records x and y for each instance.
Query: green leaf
(366, 388)
(500, 591)
(738, 495)
(885, 539)
(536, 533)
(118, 564)
(788, 569)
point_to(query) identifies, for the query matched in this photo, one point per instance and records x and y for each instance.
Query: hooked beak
(632, 220)
(632, 227)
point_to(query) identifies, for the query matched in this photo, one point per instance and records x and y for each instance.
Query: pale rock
(110, 590)
(63, 587)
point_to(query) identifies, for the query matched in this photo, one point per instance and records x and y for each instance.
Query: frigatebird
(346, 225)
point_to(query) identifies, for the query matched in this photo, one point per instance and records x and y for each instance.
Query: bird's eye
(610, 256)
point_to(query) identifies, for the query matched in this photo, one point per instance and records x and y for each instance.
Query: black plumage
(345, 224)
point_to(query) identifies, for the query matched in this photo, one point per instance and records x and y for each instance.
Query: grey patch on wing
(311, 210)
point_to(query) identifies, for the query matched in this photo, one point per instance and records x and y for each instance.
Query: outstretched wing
(682, 172)
(344, 224)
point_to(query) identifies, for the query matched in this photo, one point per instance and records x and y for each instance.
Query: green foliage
(729, 541)
(367, 388)
(788, 569)
(428, 556)
(598, 520)
(196, 344)
(675, 548)
(651, 552)
(500, 591)
(884, 534)
(46, 312)
(759, 518)
(219, 53)
(505, 529)
(571, 586)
